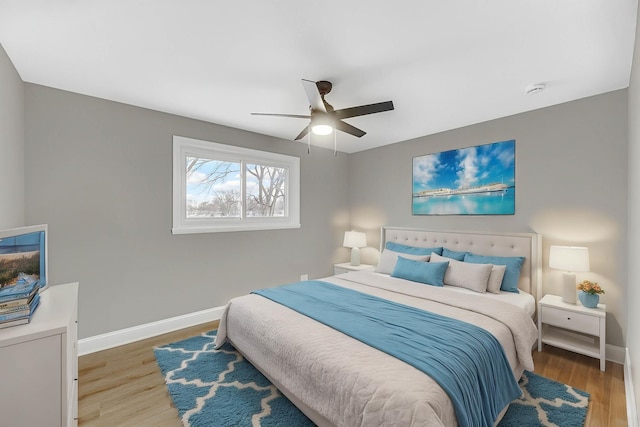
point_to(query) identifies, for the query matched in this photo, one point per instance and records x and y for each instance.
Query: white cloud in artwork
(425, 168)
(506, 157)
(468, 167)
(484, 161)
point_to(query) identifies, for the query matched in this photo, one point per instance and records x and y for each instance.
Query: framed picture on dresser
(23, 255)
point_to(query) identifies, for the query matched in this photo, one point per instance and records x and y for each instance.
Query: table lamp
(570, 259)
(355, 240)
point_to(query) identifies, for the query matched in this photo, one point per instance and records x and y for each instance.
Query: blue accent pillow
(511, 274)
(430, 273)
(412, 250)
(458, 256)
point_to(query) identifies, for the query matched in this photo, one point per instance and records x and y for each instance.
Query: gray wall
(11, 145)
(633, 293)
(100, 174)
(571, 187)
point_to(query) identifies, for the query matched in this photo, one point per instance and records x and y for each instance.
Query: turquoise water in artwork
(500, 203)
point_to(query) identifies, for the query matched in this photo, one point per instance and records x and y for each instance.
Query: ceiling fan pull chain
(309, 144)
(335, 144)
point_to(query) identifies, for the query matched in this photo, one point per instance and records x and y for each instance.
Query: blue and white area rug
(219, 388)
(546, 403)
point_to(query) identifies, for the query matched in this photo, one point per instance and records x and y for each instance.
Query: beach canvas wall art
(478, 180)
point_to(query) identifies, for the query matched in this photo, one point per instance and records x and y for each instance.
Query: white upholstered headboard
(526, 245)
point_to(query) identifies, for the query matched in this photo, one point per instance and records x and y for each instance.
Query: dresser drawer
(574, 321)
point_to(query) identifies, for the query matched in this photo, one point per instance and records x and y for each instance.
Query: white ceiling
(444, 64)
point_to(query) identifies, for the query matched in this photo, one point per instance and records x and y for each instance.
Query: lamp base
(355, 256)
(569, 291)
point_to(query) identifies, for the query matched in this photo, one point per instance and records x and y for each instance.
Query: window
(219, 187)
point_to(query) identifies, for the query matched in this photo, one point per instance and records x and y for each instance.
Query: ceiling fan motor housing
(324, 87)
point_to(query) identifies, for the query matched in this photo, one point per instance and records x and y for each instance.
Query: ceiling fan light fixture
(322, 129)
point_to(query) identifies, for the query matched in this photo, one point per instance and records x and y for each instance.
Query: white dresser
(39, 363)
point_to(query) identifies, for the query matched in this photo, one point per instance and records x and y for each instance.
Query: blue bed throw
(467, 361)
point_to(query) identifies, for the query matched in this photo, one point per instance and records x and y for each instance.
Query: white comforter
(340, 381)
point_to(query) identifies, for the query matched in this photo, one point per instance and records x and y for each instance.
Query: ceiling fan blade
(303, 133)
(347, 128)
(363, 110)
(295, 116)
(313, 95)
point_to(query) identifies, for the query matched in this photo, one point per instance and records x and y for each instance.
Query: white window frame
(187, 147)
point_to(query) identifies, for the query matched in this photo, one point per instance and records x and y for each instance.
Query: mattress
(337, 380)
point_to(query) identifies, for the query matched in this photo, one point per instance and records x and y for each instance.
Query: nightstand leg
(603, 356)
(539, 330)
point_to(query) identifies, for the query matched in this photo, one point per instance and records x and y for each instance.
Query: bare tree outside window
(227, 203)
(213, 188)
(227, 188)
(265, 190)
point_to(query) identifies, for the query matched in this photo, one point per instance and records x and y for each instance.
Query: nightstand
(346, 267)
(572, 327)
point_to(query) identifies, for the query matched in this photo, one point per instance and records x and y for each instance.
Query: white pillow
(465, 274)
(495, 279)
(388, 259)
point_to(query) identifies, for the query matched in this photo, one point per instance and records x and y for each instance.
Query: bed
(337, 380)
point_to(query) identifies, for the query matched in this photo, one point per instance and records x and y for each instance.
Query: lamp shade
(569, 258)
(354, 239)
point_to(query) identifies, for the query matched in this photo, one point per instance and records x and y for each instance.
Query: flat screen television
(23, 255)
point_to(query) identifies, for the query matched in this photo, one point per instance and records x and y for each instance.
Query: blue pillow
(458, 256)
(430, 273)
(412, 250)
(511, 274)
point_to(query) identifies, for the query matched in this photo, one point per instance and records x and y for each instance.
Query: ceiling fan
(324, 118)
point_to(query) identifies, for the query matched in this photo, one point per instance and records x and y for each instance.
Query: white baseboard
(148, 330)
(632, 411)
(615, 353)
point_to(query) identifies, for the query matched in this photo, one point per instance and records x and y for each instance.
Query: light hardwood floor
(607, 406)
(124, 387)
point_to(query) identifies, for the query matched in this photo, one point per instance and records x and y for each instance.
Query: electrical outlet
(304, 277)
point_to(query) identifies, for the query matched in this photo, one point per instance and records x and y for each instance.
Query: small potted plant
(589, 294)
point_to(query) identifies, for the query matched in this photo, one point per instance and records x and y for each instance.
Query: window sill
(230, 228)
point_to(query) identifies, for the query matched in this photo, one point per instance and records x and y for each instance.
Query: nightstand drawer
(574, 321)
